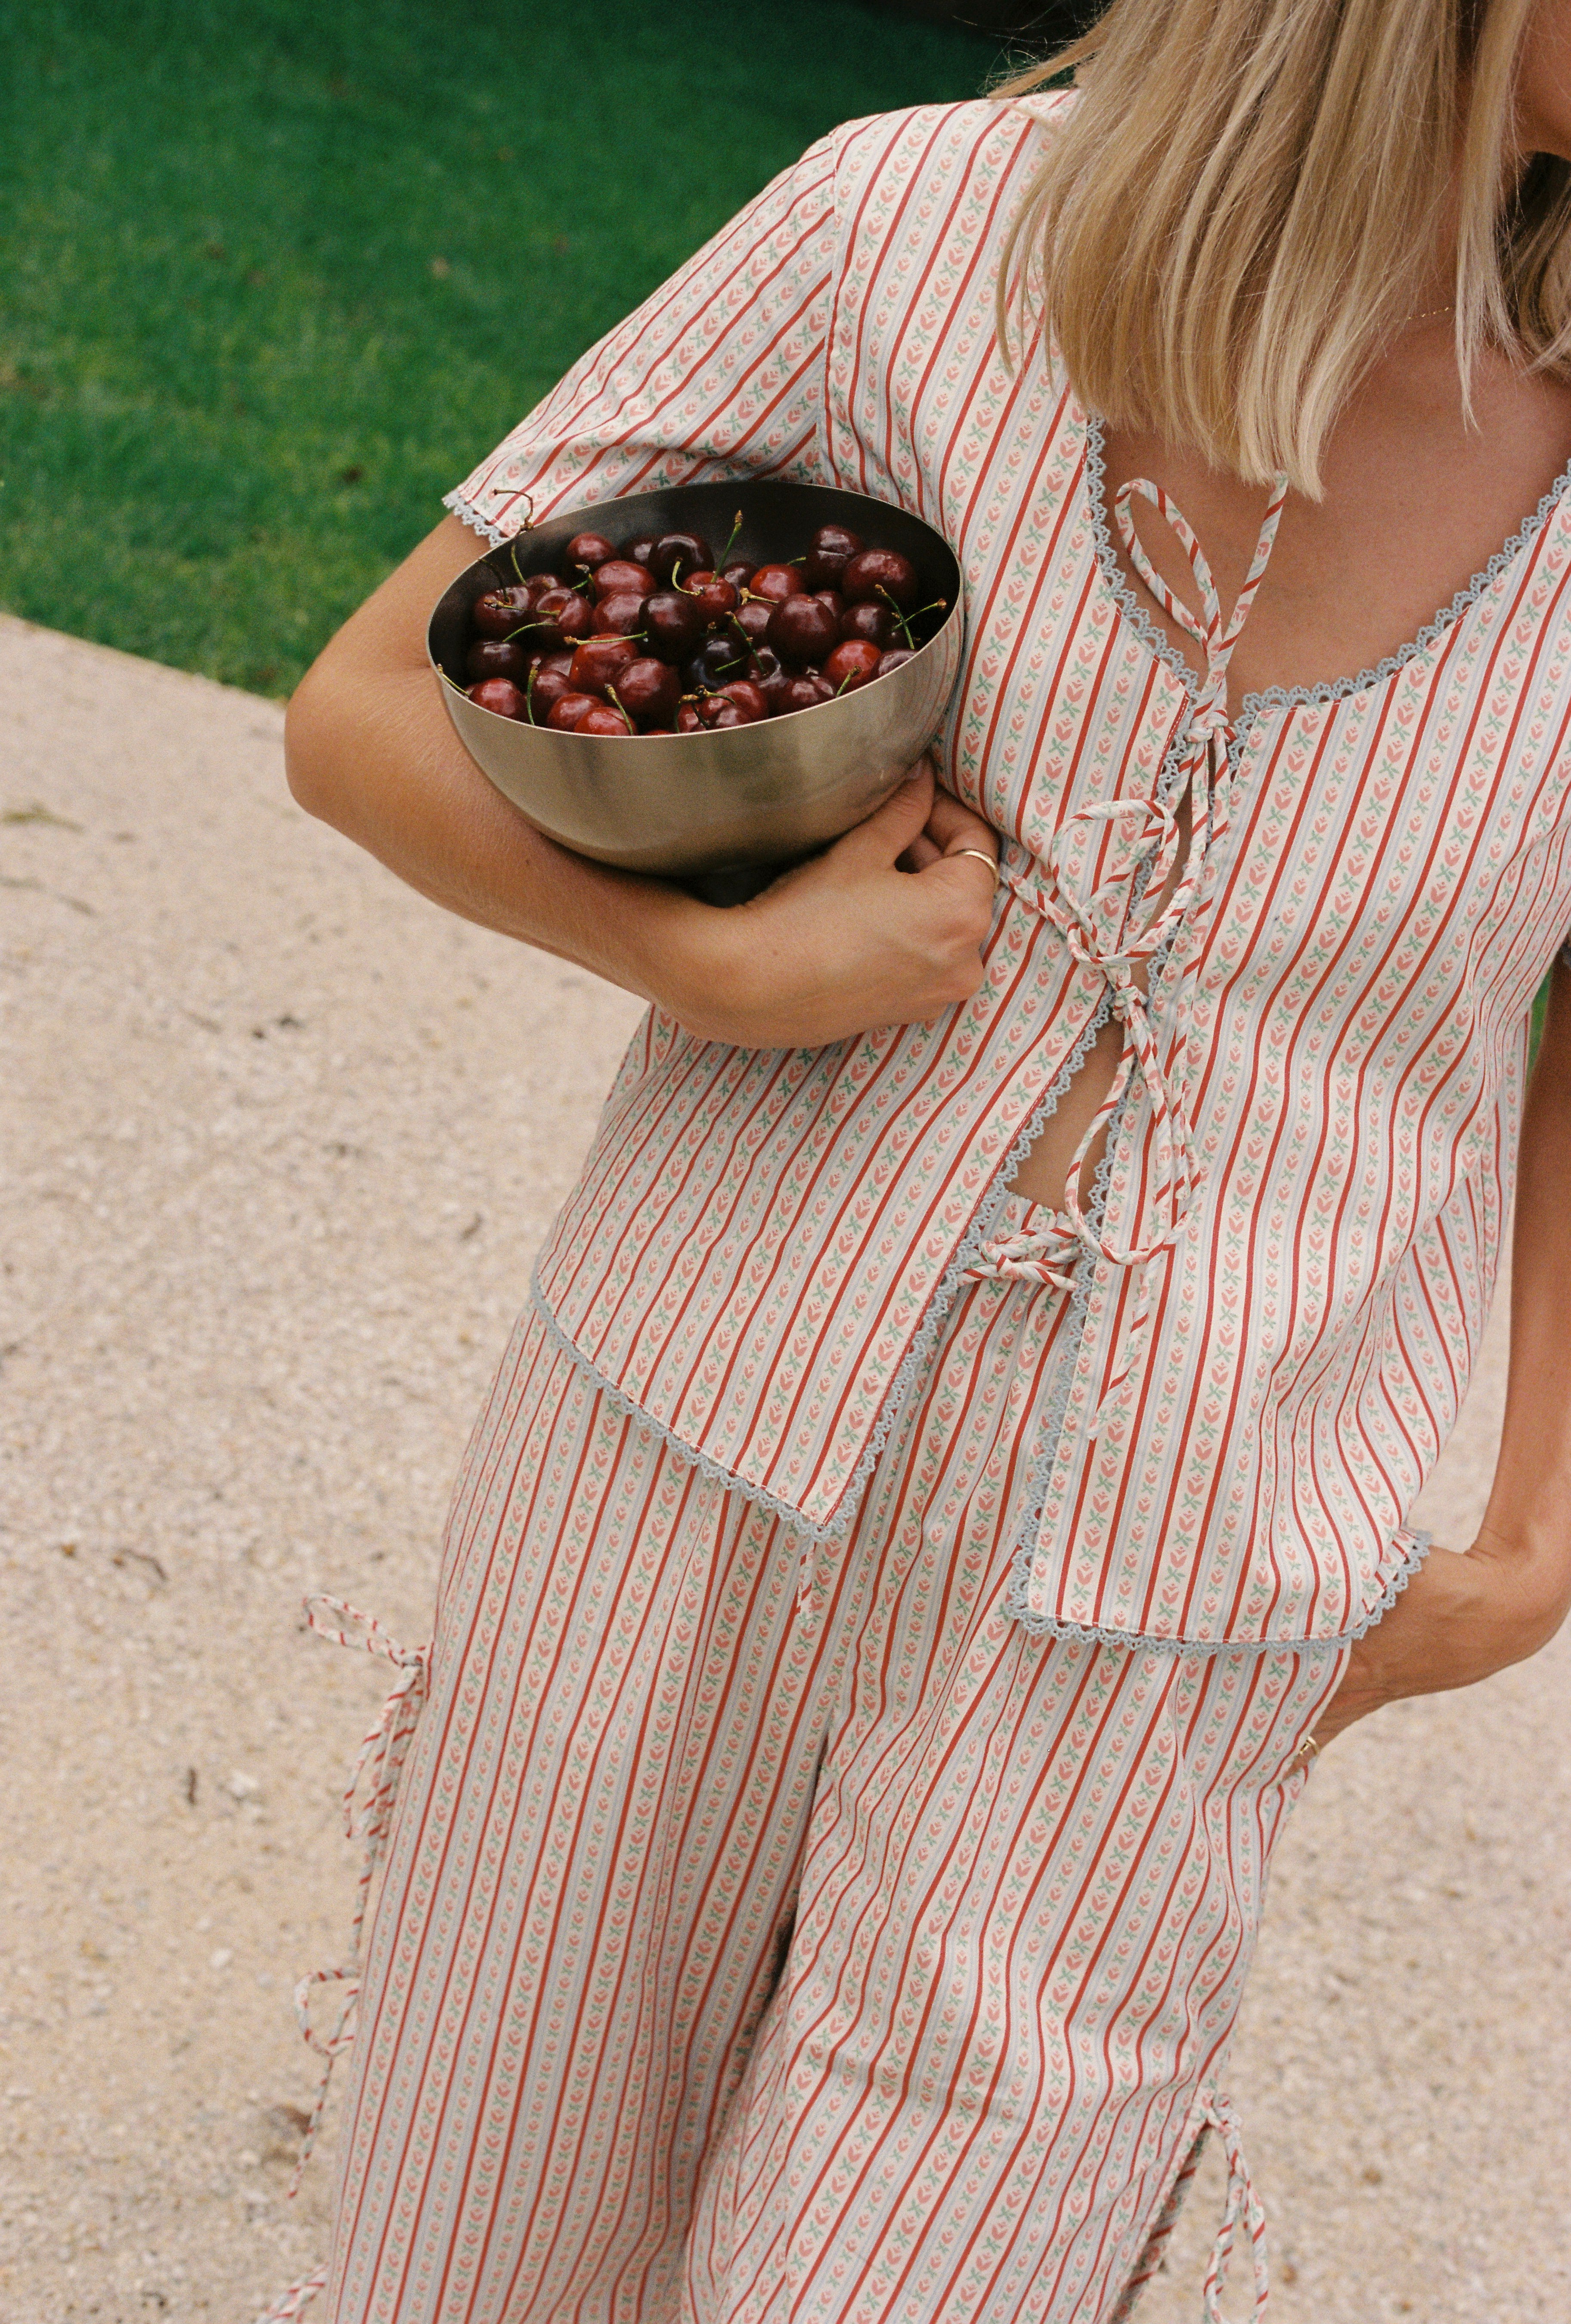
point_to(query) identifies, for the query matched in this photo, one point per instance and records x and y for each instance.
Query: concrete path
(279, 1141)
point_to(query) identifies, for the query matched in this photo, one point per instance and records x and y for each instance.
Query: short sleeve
(720, 373)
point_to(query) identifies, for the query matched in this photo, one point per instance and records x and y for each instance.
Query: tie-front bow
(1097, 930)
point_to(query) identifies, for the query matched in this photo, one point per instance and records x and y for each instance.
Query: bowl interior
(775, 521)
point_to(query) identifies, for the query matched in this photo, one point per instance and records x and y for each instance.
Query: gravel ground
(279, 1141)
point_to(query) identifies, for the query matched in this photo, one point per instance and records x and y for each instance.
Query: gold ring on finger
(982, 857)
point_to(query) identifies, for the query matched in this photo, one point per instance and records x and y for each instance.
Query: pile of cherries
(661, 637)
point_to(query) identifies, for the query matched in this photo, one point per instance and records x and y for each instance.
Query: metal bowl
(720, 802)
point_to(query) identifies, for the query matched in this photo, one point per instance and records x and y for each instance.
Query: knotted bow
(1244, 2211)
(1095, 930)
(1031, 1255)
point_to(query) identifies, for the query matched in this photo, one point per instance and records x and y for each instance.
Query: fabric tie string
(369, 1800)
(1244, 2206)
(1044, 1255)
(1097, 934)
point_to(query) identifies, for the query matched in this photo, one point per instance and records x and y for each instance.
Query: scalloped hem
(1016, 1593)
(1270, 701)
(1016, 1603)
(988, 1212)
(475, 520)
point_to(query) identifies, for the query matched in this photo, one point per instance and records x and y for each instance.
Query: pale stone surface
(279, 1139)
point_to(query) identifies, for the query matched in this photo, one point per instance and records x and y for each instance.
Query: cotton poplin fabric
(776, 1930)
(877, 1619)
(1331, 1059)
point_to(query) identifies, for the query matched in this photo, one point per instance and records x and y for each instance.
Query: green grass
(277, 272)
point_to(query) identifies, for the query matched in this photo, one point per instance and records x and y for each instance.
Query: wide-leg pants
(777, 1930)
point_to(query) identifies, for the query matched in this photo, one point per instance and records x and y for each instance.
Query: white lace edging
(715, 1471)
(1093, 1634)
(987, 1217)
(1272, 699)
(475, 520)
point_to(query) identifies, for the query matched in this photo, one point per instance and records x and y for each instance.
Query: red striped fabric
(763, 1246)
(774, 1930)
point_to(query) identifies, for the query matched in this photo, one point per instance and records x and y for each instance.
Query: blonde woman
(953, 1470)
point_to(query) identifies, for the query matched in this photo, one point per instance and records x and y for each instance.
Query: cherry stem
(903, 621)
(719, 561)
(617, 699)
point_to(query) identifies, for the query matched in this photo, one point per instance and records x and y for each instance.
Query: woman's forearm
(844, 942)
(370, 749)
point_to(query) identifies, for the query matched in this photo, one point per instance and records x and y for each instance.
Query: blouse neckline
(1270, 701)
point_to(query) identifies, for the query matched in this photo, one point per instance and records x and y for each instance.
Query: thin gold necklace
(1431, 314)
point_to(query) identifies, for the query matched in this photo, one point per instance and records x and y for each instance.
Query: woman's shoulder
(889, 152)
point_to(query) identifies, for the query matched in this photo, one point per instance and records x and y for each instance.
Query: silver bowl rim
(955, 614)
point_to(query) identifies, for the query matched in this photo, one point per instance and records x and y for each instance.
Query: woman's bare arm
(843, 943)
(1464, 1618)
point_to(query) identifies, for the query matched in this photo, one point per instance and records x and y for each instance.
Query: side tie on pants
(1243, 2205)
(1203, 774)
(369, 1800)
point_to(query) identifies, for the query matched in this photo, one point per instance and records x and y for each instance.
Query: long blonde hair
(1243, 205)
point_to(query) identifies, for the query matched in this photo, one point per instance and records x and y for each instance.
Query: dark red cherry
(806, 692)
(753, 617)
(749, 699)
(716, 596)
(500, 612)
(649, 691)
(777, 583)
(588, 550)
(853, 663)
(738, 575)
(620, 614)
(500, 694)
(719, 660)
(618, 575)
(874, 623)
(893, 659)
(832, 599)
(562, 614)
(678, 554)
(604, 718)
(539, 583)
(599, 662)
(688, 720)
(829, 552)
(496, 658)
(673, 623)
(567, 711)
(640, 550)
(717, 711)
(768, 674)
(801, 629)
(549, 687)
(880, 575)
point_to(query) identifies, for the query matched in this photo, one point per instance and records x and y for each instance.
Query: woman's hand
(1458, 1620)
(885, 927)
(839, 944)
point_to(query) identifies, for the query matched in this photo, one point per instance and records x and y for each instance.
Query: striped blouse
(1280, 1289)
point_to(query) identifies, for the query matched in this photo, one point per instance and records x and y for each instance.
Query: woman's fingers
(892, 829)
(951, 826)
